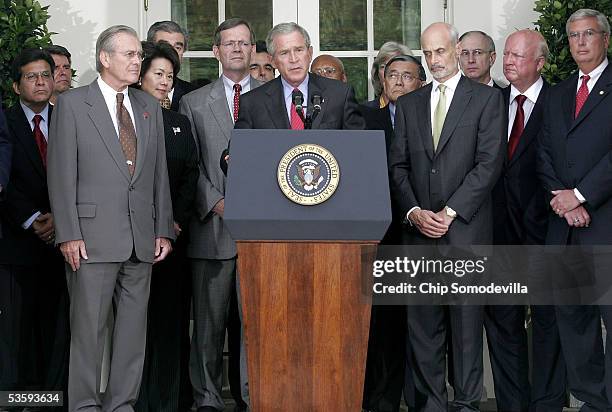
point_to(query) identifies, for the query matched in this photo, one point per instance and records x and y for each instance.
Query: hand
(73, 251)
(564, 201)
(177, 229)
(162, 249)
(428, 223)
(43, 228)
(445, 218)
(578, 217)
(219, 207)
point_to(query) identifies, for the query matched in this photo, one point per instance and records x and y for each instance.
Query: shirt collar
(29, 113)
(450, 83)
(531, 93)
(596, 71)
(303, 87)
(108, 91)
(230, 83)
(491, 84)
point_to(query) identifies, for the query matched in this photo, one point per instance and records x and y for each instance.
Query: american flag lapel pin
(176, 130)
(145, 115)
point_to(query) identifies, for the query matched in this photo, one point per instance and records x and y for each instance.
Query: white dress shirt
(392, 114)
(595, 75)
(228, 85)
(451, 86)
(531, 95)
(110, 97)
(288, 91)
(44, 127)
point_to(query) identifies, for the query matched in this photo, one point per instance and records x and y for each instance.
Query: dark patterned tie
(582, 95)
(237, 90)
(127, 134)
(166, 103)
(517, 126)
(40, 140)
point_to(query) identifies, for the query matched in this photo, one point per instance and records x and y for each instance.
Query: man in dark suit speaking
(327, 104)
(446, 156)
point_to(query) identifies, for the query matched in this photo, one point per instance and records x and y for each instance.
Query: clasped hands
(566, 205)
(433, 225)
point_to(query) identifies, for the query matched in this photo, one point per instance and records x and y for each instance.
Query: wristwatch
(450, 212)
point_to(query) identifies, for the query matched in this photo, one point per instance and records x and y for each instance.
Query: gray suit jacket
(462, 171)
(212, 126)
(92, 194)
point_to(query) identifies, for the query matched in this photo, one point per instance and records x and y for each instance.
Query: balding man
(477, 57)
(520, 219)
(449, 132)
(329, 66)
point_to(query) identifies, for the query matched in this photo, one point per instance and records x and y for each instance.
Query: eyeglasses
(233, 44)
(130, 55)
(395, 76)
(32, 76)
(588, 34)
(325, 70)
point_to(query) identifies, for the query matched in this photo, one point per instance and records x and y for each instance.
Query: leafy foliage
(23, 24)
(553, 16)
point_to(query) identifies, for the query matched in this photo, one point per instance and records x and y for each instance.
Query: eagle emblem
(308, 175)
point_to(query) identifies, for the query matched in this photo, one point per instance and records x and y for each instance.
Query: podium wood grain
(306, 324)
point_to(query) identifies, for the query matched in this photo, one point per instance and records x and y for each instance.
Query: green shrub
(23, 24)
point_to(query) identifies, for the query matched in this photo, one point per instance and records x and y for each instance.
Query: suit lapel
(101, 118)
(142, 122)
(423, 111)
(26, 137)
(315, 88)
(461, 100)
(219, 108)
(569, 102)
(600, 91)
(275, 105)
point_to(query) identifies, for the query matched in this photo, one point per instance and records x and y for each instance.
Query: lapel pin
(129, 162)
(601, 92)
(145, 115)
(176, 130)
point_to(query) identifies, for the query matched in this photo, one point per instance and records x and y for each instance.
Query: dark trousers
(233, 342)
(34, 327)
(428, 328)
(385, 366)
(508, 349)
(165, 383)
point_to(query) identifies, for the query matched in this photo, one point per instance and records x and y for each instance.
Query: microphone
(316, 101)
(298, 100)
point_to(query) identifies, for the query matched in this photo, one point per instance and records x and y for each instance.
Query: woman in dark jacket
(165, 382)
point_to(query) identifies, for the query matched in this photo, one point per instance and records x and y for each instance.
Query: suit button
(570, 164)
(434, 171)
(131, 188)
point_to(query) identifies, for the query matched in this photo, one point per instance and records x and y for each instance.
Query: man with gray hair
(449, 131)
(173, 34)
(110, 198)
(575, 168)
(271, 105)
(477, 56)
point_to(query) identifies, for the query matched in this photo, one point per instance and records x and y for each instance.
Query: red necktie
(518, 126)
(40, 140)
(582, 94)
(237, 90)
(296, 121)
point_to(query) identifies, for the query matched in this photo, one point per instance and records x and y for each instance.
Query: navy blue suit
(577, 153)
(5, 158)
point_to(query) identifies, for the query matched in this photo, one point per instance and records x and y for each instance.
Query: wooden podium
(305, 312)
